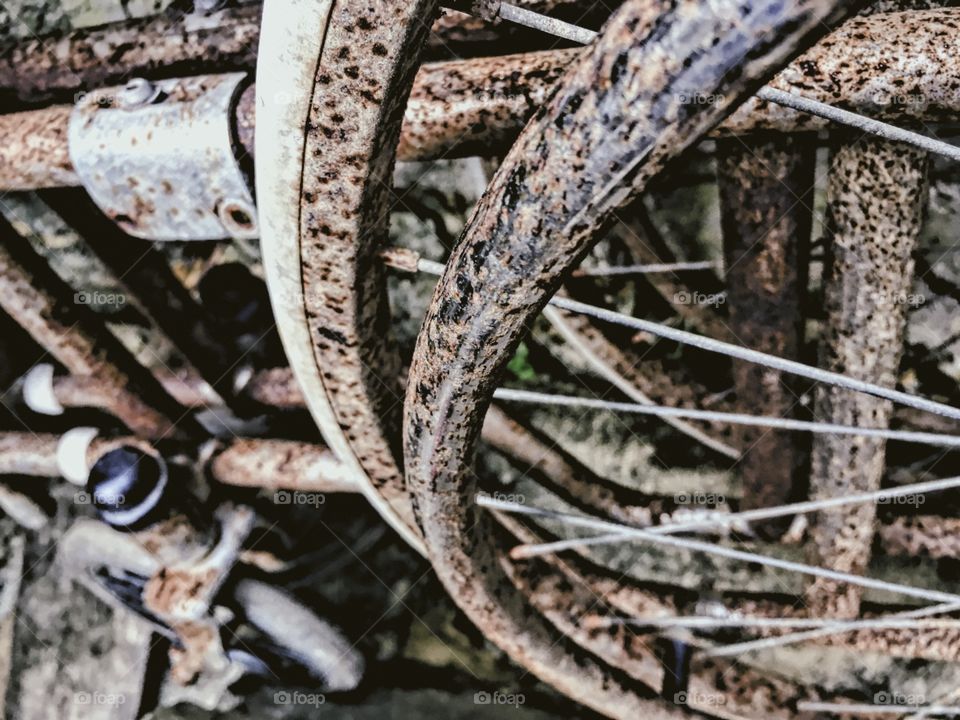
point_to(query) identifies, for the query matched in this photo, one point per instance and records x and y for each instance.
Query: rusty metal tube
(281, 465)
(53, 68)
(478, 105)
(766, 206)
(257, 463)
(876, 196)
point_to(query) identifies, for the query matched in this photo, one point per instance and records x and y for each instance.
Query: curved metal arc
(291, 42)
(617, 119)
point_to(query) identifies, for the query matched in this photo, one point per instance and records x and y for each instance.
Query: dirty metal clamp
(160, 158)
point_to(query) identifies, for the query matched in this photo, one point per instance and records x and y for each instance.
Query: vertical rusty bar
(43, 305)
(875, 202)
(766, 200)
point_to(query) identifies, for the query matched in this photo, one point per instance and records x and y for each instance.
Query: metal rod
(544, 23)
(537, 398)
(721, 551)
(449, 99)
(860, 122)
(836, 628)
(743, 517)
(867, 281)
(45, 306)
(871, 709)
(646, 269)
(696, 622)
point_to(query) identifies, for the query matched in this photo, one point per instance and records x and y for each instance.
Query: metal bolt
(137, 92)
(237, 217)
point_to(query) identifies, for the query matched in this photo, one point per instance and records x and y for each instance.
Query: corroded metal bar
(875, 202)
(43, 305)
(276, 387)
(479, 105)
(618, 118)
(260, 463)
(34, 152)
(52, 68)
(281, 465)
(766, 206)
(172, 44)
(25, 453)
(475, 105)
(862, 67)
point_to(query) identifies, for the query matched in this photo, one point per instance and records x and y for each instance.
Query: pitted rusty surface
(34, 151)
(900, 67)
(44, 306)
(171, 592)
(53, 68)
(919, 536)
(474, 106)
(937, 644)
(619, 116)
(766, 206)
(281, 464)
(364, 75)
(35, 454)
(876, 196)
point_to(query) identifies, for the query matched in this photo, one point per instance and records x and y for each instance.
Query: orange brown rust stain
(167, 591)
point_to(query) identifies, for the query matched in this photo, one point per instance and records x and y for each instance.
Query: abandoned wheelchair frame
(560, 302)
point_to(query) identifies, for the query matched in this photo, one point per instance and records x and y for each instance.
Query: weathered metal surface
(25, 453)
(889, 65)
(766, 205)
(172, 44)
(53, 68)
(292, 44)
(34, 152)
(276, 387)
(579, 599)
(913, 44)
(489, 114)
(875, 202)
(619, 116)
(930, 535)
(474, 106)
(159, 158)
(342, 227)
(281, 465)
(921, 536)
(46, 308)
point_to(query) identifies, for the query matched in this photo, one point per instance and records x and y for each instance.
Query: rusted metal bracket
(159, 158)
